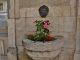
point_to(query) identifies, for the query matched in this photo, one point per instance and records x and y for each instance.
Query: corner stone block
(12, 53)
(76, 56)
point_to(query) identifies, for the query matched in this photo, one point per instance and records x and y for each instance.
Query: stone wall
(63, 18)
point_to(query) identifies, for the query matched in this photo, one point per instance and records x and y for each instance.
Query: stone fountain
(43, 51)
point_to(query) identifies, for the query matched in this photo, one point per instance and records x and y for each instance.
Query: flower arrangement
(42, 31)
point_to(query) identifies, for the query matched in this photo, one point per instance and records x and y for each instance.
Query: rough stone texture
(11, 32)
(19, 36)
(1, 47)
(41, 51)
(11, 9)
(66, 54)
(12, 53)
(3, 58)
(17, 10)
(69, 40)
(70, 24)
(53, 11)
(20, 24)
(27, 3)
(78, 35)
(23, 12)
(78, 7)
(23, 56)
(73, 7)
(77, 56)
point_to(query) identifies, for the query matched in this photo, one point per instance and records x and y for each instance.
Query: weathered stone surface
(69, 40)
(23, 56)
(53, 11)
(17, 10)
(20, 24)
(12, 53)
(41, 51)
(1, 47)
(11, 32)
(19, 36)
(20, 49)
(78, 35)
(66, 54)
(78, 7)
(23, 12)
(77, 56)
(27, 3)
(73, 4)
(11, 9)
(70, 24)
(3, 58)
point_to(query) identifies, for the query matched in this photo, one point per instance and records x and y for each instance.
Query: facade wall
(63, 18)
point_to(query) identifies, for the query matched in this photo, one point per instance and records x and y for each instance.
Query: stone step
(3, 58)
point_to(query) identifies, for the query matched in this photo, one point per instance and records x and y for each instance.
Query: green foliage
(42, 31)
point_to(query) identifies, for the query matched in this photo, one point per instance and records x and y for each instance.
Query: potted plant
(42, 46)
(42, 32)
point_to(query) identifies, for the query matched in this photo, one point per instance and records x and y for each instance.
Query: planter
(43, 51)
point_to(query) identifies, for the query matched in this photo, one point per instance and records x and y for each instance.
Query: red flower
(31, 35)
(49, 38)
(35, 21)
(46, 21)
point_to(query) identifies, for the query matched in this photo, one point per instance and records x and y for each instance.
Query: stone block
(11, 9)
(76, 56)
(70, 24)
(73, 7)
(23, 12)
(12, 53)
(66, 54)
(59, 11)
(33, 12)
(53, 11)
(11, 32)
(30, 26)
(3, 58)
(1, 47)
(20, 24)
(69, 40)
(17, 10)
(78, 35)
(20, 49)
(27, 3)
(61, 24)
(19, 36)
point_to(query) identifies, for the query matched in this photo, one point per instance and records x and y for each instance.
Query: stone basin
(43, 51)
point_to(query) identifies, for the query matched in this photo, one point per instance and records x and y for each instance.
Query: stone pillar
(77, 51)
(12, 50)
